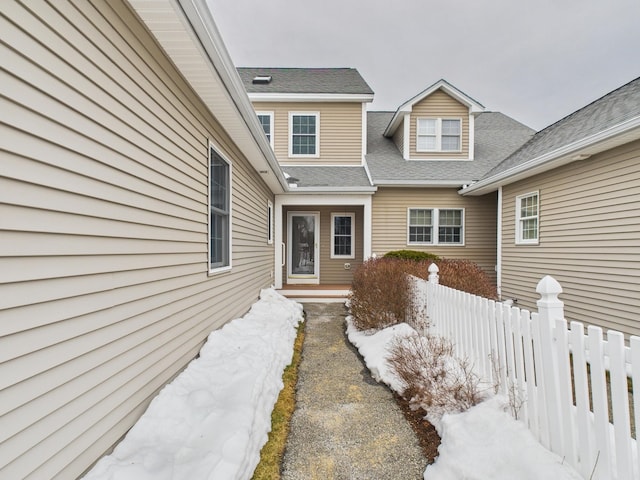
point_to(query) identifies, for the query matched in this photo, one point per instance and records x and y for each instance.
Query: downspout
(499, 246)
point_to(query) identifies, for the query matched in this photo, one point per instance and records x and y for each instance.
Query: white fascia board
(310, 97)
(331, 190)
(221, 89)
(620, 134)
(422, 183)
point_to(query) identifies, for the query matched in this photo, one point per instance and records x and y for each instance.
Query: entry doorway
(303, 239)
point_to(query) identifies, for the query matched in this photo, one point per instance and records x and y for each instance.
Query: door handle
(284, 253)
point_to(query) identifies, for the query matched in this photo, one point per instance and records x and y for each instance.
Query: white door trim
(303, 278)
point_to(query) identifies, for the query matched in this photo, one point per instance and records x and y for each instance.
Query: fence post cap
(548, 286)
(433, 268)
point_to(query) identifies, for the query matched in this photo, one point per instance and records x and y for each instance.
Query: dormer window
(439, 135)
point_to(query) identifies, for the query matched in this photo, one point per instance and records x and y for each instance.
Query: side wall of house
(389, 229)
(340, 131)
(439, 105)
(104, 287)
(588, 239)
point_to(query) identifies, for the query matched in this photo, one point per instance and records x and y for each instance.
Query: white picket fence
(569, 387)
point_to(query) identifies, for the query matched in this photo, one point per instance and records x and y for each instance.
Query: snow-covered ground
(483, 443)
(212, 420)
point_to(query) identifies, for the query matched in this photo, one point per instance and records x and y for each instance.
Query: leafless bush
(381, 293)
(433, 378)
(466, 276)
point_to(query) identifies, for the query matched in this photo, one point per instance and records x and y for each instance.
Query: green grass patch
(273, 451)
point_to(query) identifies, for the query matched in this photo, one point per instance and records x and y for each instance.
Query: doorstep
(316, 293)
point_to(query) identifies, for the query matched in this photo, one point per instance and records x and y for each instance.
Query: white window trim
(269, 222)
(435, 224)
(438, 135)
(519, 239)
(353, 234)
(225, 268)
(315, 114)
(271, 116)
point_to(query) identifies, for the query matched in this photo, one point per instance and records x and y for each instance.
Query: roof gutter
(310, 97)
(422, 183)
(574, 151)
(336, 190)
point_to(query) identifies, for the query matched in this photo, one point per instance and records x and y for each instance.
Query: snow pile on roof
(214, 418)
(483, 443)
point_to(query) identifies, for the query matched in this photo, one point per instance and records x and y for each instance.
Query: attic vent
(262, 79)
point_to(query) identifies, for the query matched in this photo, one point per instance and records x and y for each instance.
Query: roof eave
(310, 97)
(332, 190)
(186, 31)
(422, 183)
(579, 150)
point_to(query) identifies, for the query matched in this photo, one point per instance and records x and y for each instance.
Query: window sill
(216, 271)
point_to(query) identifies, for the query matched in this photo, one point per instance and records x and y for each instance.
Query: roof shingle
(305, 80)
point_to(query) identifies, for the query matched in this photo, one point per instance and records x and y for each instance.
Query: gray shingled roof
(305, 80)
(610, 110)
(496, 137)
(328, 176)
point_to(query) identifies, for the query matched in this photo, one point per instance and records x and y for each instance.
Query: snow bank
(213, 419)
(483, 443)
(486, 443)
(374, 348)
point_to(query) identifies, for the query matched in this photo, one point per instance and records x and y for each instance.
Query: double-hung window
(448, 223)
(342, 235)
(450, 226)
(266, 121)
(219, 212)
(420, 225)
(304, 128)
(439, 135)
(527, 211)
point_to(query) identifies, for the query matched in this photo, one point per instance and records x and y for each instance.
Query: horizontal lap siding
(589, 240)
(340, 131)
(439, 105)
(104, 288)
(390, 223)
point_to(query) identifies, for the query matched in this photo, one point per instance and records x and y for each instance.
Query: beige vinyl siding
(398, 138)
(389, 229)
(104, 291)
(340, 131)
(588, 239)
(439, 105)
(332, 271)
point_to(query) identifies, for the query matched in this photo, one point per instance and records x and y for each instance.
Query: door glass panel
(302, 244)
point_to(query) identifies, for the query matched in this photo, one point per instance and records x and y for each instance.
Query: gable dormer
(436, 124)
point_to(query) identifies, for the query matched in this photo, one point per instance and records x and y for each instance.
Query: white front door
(302, 252)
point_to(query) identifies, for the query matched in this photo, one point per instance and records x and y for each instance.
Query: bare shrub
(381, 293)
(466, 276)
(433, 378)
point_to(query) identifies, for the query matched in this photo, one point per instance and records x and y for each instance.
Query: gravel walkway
(346, 426)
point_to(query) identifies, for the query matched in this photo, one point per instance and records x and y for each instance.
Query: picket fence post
(433, 274)
(550, 308)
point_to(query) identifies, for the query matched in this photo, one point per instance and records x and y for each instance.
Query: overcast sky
(535, 60)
